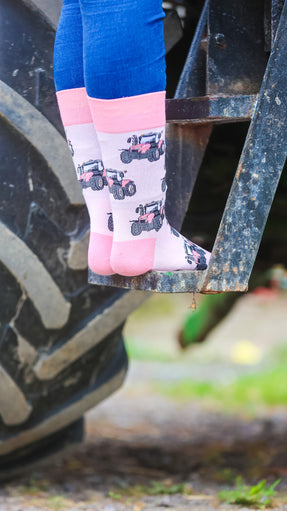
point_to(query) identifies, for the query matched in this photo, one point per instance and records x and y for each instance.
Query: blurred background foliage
(229, 351)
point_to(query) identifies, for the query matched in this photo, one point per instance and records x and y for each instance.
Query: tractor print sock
(131, 133)
(86, 153)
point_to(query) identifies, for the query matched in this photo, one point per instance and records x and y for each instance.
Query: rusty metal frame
(256, 179)
(253, 189)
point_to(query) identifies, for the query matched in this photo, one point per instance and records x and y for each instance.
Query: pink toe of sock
(99, 254)
(131, 258)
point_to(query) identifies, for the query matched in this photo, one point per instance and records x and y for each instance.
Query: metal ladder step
(210, 109)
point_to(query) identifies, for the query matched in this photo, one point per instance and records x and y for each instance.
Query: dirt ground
(144, 451)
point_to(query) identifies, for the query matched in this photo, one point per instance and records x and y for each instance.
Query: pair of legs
(109, 69)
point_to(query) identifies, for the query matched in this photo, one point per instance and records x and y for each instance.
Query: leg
(124, 62)
(81, 134)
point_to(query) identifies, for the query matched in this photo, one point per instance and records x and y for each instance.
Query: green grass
(34, 487)
(155, 488)
(56, 503)
(148, 352)
(263, 387)
(258, 496)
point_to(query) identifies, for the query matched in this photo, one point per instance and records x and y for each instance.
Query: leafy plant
(115, 496)
(259, 495)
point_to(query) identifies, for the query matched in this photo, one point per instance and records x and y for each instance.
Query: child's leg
(81, 134)
(124, 61)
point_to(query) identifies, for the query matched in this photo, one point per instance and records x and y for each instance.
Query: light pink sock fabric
(85, 149)
(131, 134)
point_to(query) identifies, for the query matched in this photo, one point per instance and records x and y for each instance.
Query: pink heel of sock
(100, 247)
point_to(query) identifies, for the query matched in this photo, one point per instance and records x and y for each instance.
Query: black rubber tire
(58, 354)
(99, 182)
(150, 155)
(118, 192)
(130, 189)
(162, 148)
(110, 223)
(156, 154)
(136, 229)
(93, 184)
(126, 157)
(175, 232)
(157, 223)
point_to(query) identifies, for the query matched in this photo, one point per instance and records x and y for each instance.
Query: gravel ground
(138, 442)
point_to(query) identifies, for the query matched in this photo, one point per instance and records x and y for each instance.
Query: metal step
(210, 109)
(159, 281)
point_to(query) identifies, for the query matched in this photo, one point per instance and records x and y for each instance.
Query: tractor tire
(175, 232)
(201, 266)
(110, 223)
(162, 148)
(136, 229)
(156, 154)
(118, 192)
(157, 223)
(61, 349)
(99, 183)
(130, 189)
(150, 155)
(93, 184)
(202, 262)
(126, 157)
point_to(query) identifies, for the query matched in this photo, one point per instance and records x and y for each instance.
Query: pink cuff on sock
(120, 115)
(74, 106)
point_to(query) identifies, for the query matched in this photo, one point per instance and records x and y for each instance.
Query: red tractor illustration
(90, 174)
(149, 145)
(195, 254)
(118, 186)
(150, 217)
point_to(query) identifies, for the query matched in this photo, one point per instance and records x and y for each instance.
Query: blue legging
(114, 48)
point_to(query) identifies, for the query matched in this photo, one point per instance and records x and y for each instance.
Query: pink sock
(131, 134)
(84, 146)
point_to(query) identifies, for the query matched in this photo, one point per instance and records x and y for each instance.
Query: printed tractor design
(118, 186)
(71, 147)
(90, 174)
(174, 232)
(150, 217)
(110, 222)
(150, 146)
(195, 254)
